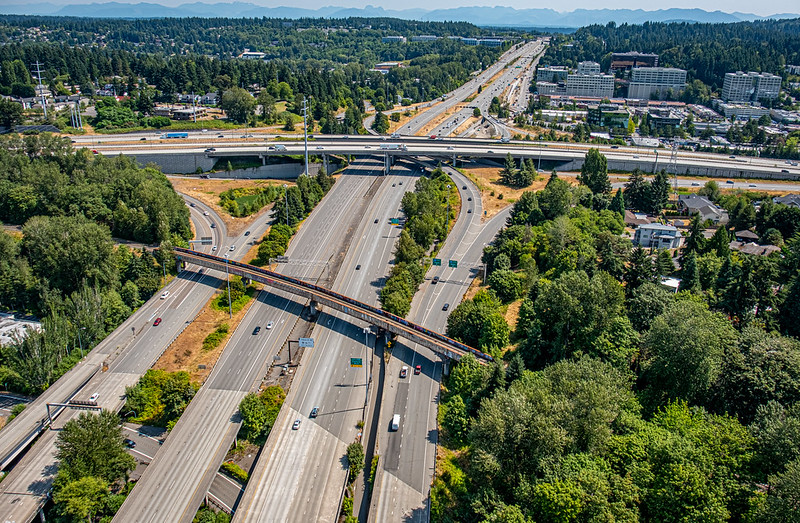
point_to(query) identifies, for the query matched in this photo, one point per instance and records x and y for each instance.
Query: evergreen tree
(594, 172)
(720, 242)
(636, 191)
(690, 275)
(508, 174)
(659, 192)
(664, 265)
(695, 241)
(618, 203)
(640, 270)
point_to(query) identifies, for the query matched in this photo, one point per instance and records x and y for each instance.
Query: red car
(417, 369)
(157, 322)
(94, 151)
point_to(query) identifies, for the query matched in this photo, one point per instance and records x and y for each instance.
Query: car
(695, 184)
(191, 204)
(635, 155)
(731, 156)
(270, 325)
(445, 306)
(400, 183)
(94, 151)
(214, 248)
(469, 198)
(210, 150)
(752, 185)
(220, 136)
(435, 280)
(205, 213)
(157, 322)
(358, 267)
(213, 225)
(490, 151)
(164, 295)
(130, 443)
(615, 146)
(464, 187)
(256, 330)
(784, 170)
(367, 147)
(93, 397)
(394, 185)
(320, 147)
(404, 372)
(142, 139)
(729, 181)
(233, 248)
(296, 424)
(418, 369)
(314, 412)
(247, 233)
(469, 211)
(376, 220)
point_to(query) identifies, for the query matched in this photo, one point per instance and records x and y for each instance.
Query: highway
(407, 461)
(173, 486)
(126, 354)
(300, 474)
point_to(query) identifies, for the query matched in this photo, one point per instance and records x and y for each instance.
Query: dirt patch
(512, 313)
(488, 181)
(208, 191)
(186, 352)
(469, 122)
(244, 454)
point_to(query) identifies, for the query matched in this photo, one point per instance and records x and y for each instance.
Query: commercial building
(605, 115)
(491, 42)
(588, 68)
(551, 74)
(740, 111)
(594, 85)
(657, 236)
(750, 87)
(792, 69)
(655, 82)
(424, 38)
(551, 89)
(624, 61)
(393, 39)
(252, 55)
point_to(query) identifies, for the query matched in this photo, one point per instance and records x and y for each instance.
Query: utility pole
(39, 86)
(305, 131)
(286, 200)
(228, 279)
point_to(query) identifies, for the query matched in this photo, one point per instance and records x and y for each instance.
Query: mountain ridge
(485, 16)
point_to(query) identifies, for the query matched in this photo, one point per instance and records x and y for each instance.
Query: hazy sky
(763, 8)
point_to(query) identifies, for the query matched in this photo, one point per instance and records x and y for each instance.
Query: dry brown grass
(469, 122)
(208, 191)
(186, 352)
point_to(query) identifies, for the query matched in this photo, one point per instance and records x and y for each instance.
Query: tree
(618, 203)
(91, 445)
(82, 498)
(238, 104)
(254, 414)
(509, 172)
(381, 123)
(695, 241)
(659, 192)
(476, 112)
(455, 420)
(555, 198)
(685, 349)
(636, 190)
(355, 458)
(506, 284)
(594, 172)
(783, 500)
(639, 270)
(647, 302)
(10, 113)
(790, 310)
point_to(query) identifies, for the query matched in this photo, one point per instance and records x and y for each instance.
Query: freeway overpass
(435, 341)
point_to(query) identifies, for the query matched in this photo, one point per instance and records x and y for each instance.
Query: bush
(235, 471)
(213, 340)
(15, 411)
(355, 457)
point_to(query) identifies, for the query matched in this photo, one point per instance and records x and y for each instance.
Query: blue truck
(174, 135)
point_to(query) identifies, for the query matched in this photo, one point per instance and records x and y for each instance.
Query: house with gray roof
(693, 204)
(657, 236)
(792, 200)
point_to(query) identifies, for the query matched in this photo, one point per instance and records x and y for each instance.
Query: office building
(551, 74)
(594, 85)
(424, 38)
(588, 68)
(649, 83)
(750, 87)
(740, 111)
(626, 61)
(605, 115)
(393, 39)
(550, 89)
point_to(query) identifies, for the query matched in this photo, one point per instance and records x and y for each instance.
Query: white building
(551, 74)
(393, 39)
(588, 68)
(654, 82)
(252, 55)
(741, 111)
(750, 87)
(594, 85)
(424, 38)
(657, 236)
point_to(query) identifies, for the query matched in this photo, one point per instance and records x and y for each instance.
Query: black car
(435, 280)
(446, 306)
(469, 199)
(376, 220)
(314, 412)
(247, 233)
(130, 443)
(256, 330)
(358, 267)
(465, 187)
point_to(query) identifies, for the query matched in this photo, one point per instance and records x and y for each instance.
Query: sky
(762, 8)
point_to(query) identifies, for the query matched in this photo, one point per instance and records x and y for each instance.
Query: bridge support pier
(313, 309)
(446, 366)
(263, 159)
(41, 515)
(325, 162)
(386, 164)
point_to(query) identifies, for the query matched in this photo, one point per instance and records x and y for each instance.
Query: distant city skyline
(765, 8)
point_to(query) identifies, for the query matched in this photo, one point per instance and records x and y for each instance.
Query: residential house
(695, 204)
(658, 236)
(753, 248)
(792, 200)
(746, 236)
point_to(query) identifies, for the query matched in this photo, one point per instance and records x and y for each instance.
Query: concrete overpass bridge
(435, 341)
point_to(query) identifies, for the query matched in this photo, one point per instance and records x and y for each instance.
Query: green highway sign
(437, 261)
(394, 221)
(356, 362)
(452, 263)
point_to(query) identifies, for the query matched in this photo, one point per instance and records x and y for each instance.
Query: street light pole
(366, 369)
(305, 132)
(228, 279)
(447, 218)
(286, 200)
(539, 167)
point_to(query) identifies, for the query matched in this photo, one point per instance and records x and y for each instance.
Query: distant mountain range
(482, 16)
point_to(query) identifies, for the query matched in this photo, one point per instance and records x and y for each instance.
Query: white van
(396, 422)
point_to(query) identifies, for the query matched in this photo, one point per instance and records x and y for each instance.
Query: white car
(270, 325)
(233, 247)
(164, 295)
(214, 248)
(205, 213)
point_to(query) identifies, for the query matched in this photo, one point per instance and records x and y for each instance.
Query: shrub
(235, 471)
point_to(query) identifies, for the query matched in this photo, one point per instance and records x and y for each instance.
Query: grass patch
(240, 296)
(213, 340)
(244, 201)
